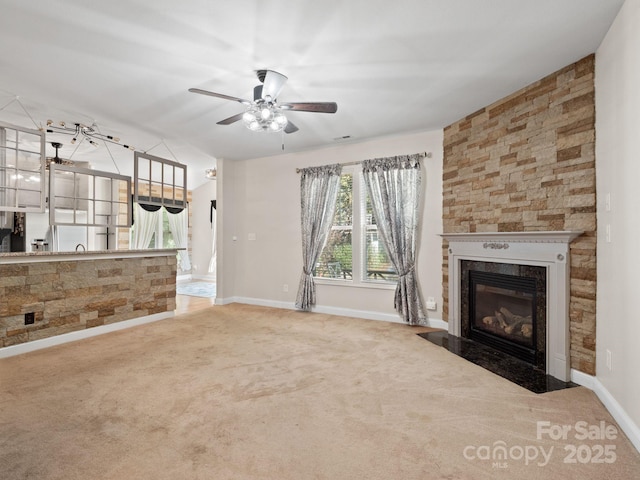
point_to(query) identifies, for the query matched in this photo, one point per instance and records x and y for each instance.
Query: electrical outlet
(431, 304)
(29, 318)
(609, 359)
(285, 288)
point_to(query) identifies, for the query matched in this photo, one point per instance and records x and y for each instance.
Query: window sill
(350, 283)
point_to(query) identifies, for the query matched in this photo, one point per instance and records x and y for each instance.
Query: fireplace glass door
(503, 312)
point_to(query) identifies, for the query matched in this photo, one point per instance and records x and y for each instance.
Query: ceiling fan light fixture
(249, 117)
(263, 113)
(264, 117)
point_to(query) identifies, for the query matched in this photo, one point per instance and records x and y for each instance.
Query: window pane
(8, 196)
(377, 263)
(379, 266)
(336, 260)
(103, 188)
(156, 172)
(30, 162)
(344, 203)
(179, 196)
(179, 176)
(90, 195)
(28, 199)
(166, 187)
(168, 174)
(21, 168)
(167, 236)
(144, 169)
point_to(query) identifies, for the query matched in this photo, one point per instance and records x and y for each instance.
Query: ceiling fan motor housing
(261, 74)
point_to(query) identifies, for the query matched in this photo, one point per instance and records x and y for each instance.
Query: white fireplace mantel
(545, 249)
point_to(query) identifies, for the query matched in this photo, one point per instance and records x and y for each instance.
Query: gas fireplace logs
(510, 323)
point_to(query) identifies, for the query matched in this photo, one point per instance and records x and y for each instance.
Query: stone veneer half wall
(74, 292)
(527, 163)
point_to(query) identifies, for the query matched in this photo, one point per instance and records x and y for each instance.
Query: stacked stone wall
(527, 163)
(66, 296)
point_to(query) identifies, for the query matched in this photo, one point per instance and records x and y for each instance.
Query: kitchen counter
(40, 256)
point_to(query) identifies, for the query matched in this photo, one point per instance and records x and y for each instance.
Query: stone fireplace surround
(549, 249)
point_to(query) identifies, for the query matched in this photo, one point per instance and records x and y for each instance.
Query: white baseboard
(34, 345)
(365, 314)
(226, 301)
(628, 426)
(625, 422)
(189, 276)
(208, 278)
(582, 379)
(438, 323)
(344, 312)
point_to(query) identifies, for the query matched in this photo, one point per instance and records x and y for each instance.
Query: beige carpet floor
(243, 392)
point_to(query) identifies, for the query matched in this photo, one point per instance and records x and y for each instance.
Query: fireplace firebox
(504, 307)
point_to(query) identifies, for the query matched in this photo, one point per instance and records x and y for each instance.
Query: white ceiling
(392, 66)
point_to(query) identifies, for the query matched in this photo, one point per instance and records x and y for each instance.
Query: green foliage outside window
(336, 260)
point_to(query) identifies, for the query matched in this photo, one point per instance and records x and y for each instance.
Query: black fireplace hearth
(507, 366)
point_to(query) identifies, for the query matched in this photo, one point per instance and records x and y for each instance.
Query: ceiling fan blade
(290, 128)
(318, 107)
(219, 95)
(230, 120)
(273, 83)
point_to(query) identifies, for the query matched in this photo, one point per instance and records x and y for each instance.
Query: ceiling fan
(57, 160)
(264, 113)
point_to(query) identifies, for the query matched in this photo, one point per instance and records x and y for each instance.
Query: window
(158, 181)
(22, 162)
(336, 260)
(353, 252)
(378, 265)
(81, 196)
(162, 236)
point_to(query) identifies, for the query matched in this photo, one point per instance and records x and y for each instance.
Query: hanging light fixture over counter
(81, 132)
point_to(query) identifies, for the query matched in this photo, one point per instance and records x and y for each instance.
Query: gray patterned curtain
(319, 191)
(394, 188)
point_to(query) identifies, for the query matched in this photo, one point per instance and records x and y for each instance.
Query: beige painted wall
(201, 232)
(618, 171)
(262, 197)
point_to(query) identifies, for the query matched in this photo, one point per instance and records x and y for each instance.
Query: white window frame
(92, 199)
(12, 134)
(165, 175)
(358, 241)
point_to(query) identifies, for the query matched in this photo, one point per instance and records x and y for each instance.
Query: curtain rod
(423, 154)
